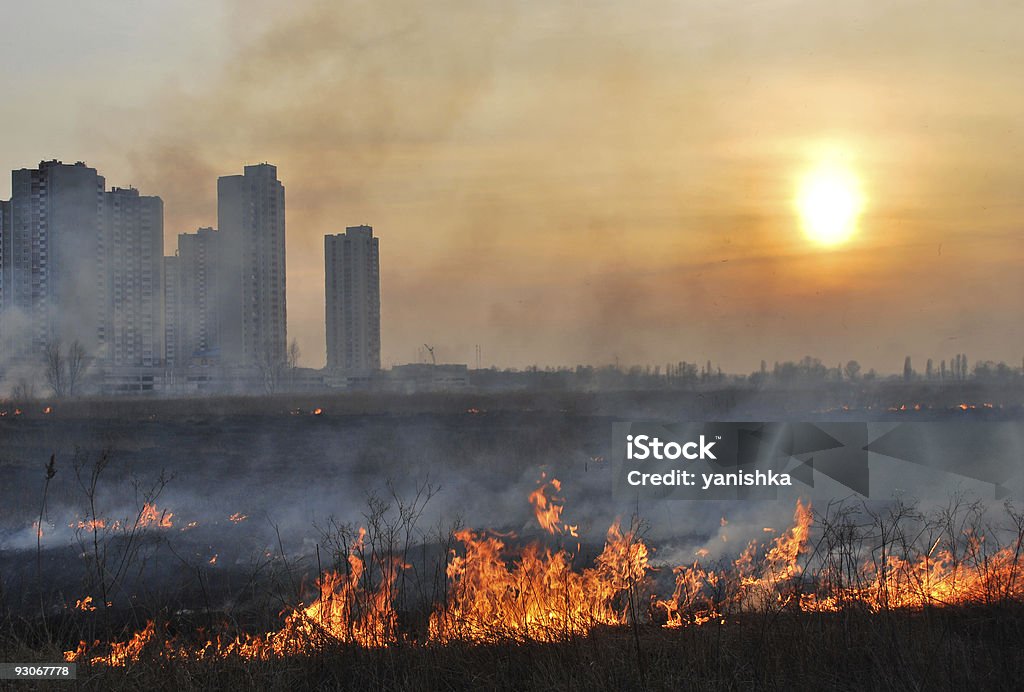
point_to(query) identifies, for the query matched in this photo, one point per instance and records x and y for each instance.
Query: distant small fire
(93, 524)
(238, 517)
(85, 604)
(151, 516)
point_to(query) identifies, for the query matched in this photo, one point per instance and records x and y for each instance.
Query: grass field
(940, 649)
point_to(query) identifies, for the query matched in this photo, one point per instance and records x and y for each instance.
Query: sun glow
(829, 201)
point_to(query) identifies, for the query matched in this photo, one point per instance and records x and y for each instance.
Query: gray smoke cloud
(595, 183)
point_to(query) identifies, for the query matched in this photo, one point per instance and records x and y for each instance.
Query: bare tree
(64, 371)
(24, 391)
(293, 360)
(270, 367)
(55, 369)
(77, 363)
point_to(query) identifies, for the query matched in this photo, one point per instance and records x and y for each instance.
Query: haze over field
(562, 185)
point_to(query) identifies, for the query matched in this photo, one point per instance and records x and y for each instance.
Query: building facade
(196, 326)
(5, 253)
(352, 281)
(132, 329)
(54, 270)
(251, 293)
(172, 312)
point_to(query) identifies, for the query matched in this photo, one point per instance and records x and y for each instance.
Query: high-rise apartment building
(250, 298)
(53, 273)
(5, 253)
(352, 280)
(191, 297)
(131, 266)
(172, 312)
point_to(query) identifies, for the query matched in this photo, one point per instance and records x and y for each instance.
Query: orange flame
(344, 611)
(536, 593)
(89, 524)
(545, 507)
(151, 516)
(539, 596)
(85, 604)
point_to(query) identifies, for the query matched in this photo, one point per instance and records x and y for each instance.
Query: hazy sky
(573, 184)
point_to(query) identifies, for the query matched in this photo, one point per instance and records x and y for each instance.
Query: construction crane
(430, 350)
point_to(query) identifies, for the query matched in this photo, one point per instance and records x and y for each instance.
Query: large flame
(754, 581)
(538, 595)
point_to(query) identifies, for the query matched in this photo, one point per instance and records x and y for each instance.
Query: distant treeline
(685, 375)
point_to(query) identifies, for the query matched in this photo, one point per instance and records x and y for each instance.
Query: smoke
(15, 328)
(561, 185)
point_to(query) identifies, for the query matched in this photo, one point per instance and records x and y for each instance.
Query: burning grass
(875, 565)
(539, 596)
(883, 573)
(943, 649)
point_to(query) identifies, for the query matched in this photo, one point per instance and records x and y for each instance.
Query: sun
(829, 202)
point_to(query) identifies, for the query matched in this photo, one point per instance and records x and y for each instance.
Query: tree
(852, 370)
(77, 363)
(270, 367)
(812, 369)
(688, 373)
(908, 370)
(24, 391)
(55, 369)
(64, 371)
(293, 359)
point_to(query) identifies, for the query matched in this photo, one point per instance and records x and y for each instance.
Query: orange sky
(567, 185)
